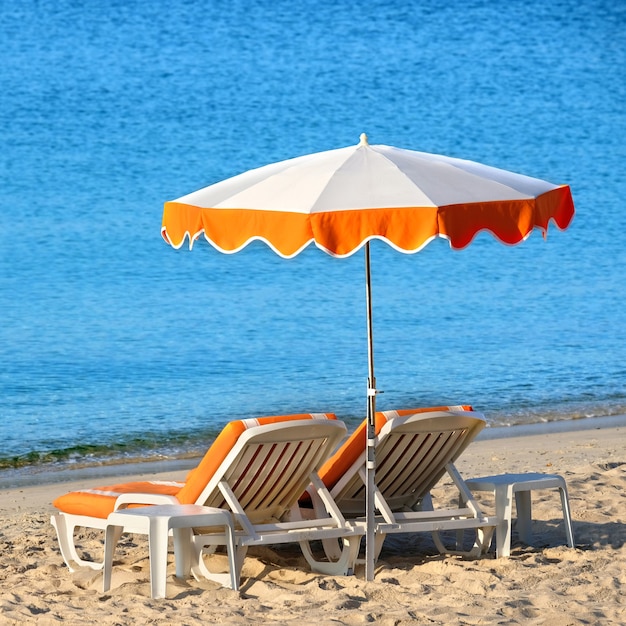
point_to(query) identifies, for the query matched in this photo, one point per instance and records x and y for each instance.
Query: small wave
(136, 450)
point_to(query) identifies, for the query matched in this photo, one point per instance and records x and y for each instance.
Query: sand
(545, 583)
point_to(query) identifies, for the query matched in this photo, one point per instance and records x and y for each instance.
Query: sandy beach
(546, 583)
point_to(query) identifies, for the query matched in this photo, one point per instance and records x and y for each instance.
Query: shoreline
(44, 474)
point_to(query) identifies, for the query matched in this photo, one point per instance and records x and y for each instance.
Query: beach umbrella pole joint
(342, 199)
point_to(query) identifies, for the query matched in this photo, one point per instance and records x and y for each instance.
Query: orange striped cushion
(100, 501)
(349, 452)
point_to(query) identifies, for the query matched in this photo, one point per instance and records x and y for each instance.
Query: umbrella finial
(363, 139)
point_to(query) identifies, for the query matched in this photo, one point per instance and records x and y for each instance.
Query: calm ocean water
(114, 346)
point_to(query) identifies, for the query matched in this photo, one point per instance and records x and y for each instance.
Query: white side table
(156, 522)
(504, 486)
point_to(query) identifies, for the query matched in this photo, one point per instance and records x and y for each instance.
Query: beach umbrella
(342, 199)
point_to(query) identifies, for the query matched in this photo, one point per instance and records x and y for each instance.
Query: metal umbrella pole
(370, 466)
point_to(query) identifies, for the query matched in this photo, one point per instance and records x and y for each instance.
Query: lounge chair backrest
(412, 451)
(100, 501)
(269, 465)
(353, 449)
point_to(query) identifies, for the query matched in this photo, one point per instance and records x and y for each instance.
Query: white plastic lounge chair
(256, 468)
(414, 449)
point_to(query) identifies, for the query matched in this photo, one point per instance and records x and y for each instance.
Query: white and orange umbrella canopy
(340, 199)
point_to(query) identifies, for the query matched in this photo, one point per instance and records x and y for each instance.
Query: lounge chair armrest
(126, 499)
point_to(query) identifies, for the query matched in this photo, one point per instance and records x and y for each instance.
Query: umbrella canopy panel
(340, 199)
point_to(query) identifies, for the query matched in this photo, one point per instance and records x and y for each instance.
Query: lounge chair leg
(332, 548)
(484, 537)
(344, 566)
(378, 545)
(65, 528)
(481, 545)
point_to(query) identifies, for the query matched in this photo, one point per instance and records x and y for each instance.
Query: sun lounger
(414, 449)
(256, 469)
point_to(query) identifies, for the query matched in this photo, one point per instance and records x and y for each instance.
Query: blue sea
(115, 347)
